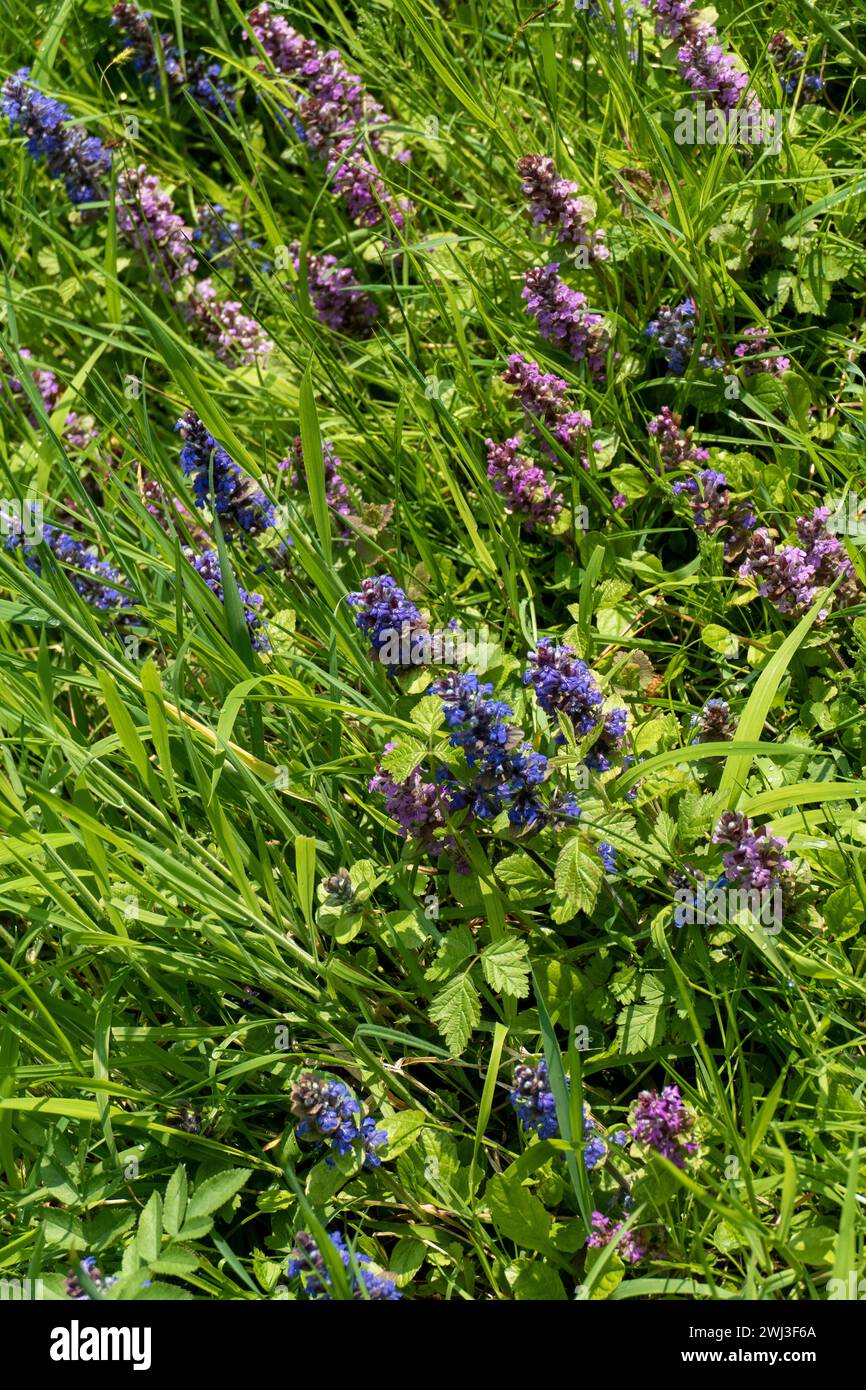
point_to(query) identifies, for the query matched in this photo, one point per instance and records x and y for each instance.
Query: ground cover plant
(432, 650)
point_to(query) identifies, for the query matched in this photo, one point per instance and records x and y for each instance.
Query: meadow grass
(173, 798)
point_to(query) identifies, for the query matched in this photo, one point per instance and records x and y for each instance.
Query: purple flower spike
(522, 483)
(146, 217)
(563, 319)
(337, 298)
(207, 565)
(553, 203)
(542, 396)
(662, 1123)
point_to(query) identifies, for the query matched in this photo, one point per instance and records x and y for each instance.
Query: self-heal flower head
(522, 484)
(336, 492)
(69, 152)
(235, 337)
(419, 806)
(235, 497)
(605, 1231)
(327, 1111)
(714, 724)
(207, 566)
(195, 74)
(753, 349)
(553, 203)
(337, 299)
(674, 444)
(146, 217)
(661, 1122)
(542, 396)
(73, 1286)
(307, 1264)
(563, 319)
(756, 860)
(714, 511)
(673, 332)
(388, 619)
(790, 576)
(45, 381)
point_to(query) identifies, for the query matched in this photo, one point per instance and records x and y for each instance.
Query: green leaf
(403, 758)
(506, 966)
(456, 947)
(516, 1214)
(427, 715)
(174, 1208)
(578, 878)
(149, 1234)
(215, 1191)
(455, 1011)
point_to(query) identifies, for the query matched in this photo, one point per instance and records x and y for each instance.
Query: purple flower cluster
(207, 566)
(327, 1111)
(713, 511)
(236, 497)
(756, 860)
(69, 152)
(336, 492)
(564, 684)
(542, 396)
(714, 724)
(335, 117)
(673, 331)
(101, 1281)
(93, 579)
(234, 336)
(146, 217)
(196, 75)
(605, 1230)
(308, 1265)
(662, 1123)
(789, 62)
(419, 807)
(386, 616)
(337, 299)
(791, 576)
(753, 349)
(709, 71)
(564, 320)
(522, 483)
(553, 203)
(674, 444)
(45, 381)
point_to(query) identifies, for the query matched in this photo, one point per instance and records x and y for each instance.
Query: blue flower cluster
(563, 683)
(387, 618)
(207, 565)
(195, 75)
(69, 152)
(308, 1265)
(534, 1102)
(236, 498)
(93, 579)
(508, 770)
(327, 1111)
(673, 332)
